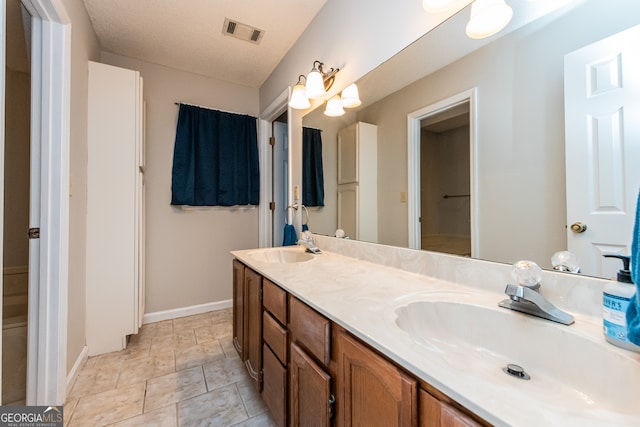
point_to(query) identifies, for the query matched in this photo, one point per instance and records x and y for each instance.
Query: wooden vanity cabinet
(370, 389)
(436, 413)
(310, 397)
(238, 307)
(252, 326)
(299, 360)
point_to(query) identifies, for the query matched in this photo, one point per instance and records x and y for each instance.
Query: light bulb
(487, 18)
(350, 97)
(299, 98)
(334, 109)
(315, 84)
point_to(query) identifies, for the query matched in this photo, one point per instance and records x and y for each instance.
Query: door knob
(578, 227)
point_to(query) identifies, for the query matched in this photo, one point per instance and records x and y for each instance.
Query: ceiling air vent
(242, 31)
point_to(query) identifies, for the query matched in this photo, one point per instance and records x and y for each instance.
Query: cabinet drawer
(310, 329)
(275, 336)
(275, 300)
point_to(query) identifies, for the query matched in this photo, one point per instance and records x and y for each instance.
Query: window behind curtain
(215, 159)
(312, 172)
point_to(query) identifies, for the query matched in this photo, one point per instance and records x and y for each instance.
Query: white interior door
(602, 110)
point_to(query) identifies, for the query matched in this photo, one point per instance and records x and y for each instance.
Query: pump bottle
(616, 298)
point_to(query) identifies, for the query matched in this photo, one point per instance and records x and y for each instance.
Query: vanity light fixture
(350, 97)
(299, 98)
(334, 109)
(317, 83)
(487, 18)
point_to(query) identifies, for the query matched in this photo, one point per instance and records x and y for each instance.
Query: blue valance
(215, 159)
(312, 172)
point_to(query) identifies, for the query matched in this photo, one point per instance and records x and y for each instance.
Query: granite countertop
(363, 297)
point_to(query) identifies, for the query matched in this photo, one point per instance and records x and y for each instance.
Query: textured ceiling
(187, 34)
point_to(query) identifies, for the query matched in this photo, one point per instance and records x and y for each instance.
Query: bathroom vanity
(390, 336)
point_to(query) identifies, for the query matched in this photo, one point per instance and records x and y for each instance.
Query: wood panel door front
(371, 390)
(253, 325)
(238, 307)
(310, 391)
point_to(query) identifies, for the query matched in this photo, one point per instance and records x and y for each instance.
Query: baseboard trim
(75, 369)
(175, 313)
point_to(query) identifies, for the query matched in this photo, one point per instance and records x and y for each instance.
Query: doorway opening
(17, 155)
(442, 184)
(445, 199)
(279, 178)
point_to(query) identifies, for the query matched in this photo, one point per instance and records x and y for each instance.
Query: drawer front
(310, 329)
(274, 299)
(275, 336)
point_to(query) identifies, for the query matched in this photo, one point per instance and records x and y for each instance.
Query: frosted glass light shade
(334, 109)
(437, 6)
(487, 18)
(315, 84)
(350, 96)
(299, 98)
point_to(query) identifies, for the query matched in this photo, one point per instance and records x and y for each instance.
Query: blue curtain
(312, 172)
(215, 159)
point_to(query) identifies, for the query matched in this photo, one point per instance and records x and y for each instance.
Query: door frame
(413, 161)
(265, 131)
(50, 137)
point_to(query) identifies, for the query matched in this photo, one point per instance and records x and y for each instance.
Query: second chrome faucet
(526, 298)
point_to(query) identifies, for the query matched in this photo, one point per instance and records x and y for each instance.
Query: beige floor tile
(144, 368)
(221, 407)
(171, 342)
(67, 411)
(192, 321)
(96, 379)
(224, 372)
(108, 407)
(250, 397)
(199, 354)
(263, 420)
(157, 329)
(163, 417)
(174, 388)
(228, 347)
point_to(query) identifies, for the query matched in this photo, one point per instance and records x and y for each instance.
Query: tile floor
(176, 373)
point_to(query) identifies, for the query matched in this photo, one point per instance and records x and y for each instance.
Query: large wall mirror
(512, 129)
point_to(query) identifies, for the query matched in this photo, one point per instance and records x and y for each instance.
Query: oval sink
(570, 369)
(280, 255)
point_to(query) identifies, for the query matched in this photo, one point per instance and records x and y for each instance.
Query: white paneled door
(602, 145)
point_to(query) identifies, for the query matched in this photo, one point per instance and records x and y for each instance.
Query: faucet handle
(527, 273)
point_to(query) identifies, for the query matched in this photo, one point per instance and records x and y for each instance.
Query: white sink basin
(281, 255)
(570, 369)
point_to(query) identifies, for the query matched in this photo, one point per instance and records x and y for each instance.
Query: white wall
(84, 47)
(188, 261)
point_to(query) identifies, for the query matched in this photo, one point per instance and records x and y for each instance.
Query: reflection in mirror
(521, 210)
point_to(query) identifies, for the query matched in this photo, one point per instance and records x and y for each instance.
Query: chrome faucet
(526, 297)
(308, 242)
(527, 300)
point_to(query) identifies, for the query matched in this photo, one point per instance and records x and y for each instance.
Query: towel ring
(295, 208)
(307, 212)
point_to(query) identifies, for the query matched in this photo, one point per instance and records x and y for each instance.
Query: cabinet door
(238, 307)
(348, 209)
(253, 325)
(310, 391)
(274, 390)
(371, 390)
(348, 155)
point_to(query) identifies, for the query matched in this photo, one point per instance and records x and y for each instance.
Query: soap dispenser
(616, 298)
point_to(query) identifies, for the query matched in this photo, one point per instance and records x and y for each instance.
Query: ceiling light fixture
(487, 18)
